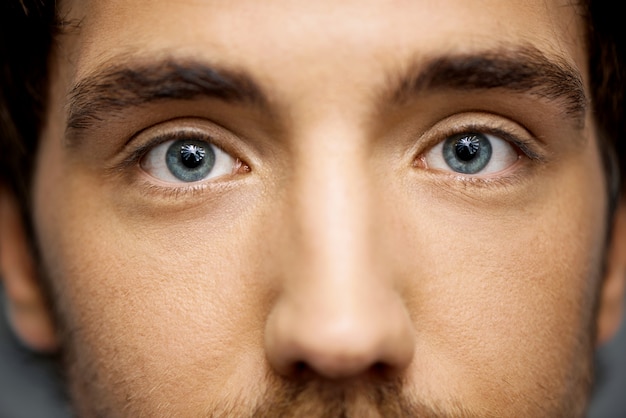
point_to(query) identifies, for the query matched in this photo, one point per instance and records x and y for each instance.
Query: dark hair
(607, 60)
(28, 28)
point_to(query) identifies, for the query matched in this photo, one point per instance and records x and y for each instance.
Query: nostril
(378, 371)
(300, 369)
(380, 368)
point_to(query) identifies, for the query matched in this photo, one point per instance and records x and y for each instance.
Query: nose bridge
(337, 312)
(332, 205)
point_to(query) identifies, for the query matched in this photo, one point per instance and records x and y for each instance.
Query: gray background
(29, 387)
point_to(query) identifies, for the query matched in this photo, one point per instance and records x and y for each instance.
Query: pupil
(467, 147)
(192, 155)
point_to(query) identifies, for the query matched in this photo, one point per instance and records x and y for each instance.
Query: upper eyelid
(505, 135)
(136, 152)
(479, 122)
(139, 151)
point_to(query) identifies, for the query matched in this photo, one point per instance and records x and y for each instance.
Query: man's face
(322, 208)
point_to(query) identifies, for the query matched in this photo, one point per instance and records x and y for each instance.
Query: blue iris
(190, 160)
(467, 153)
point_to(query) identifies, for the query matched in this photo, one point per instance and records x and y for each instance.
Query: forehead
(282, 41)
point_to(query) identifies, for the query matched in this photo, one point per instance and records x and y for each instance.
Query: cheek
(502, 294)
(153, 305)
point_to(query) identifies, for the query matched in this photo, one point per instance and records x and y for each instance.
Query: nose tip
(339, 343)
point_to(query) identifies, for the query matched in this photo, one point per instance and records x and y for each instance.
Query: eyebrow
(115, 88)
(520, 70)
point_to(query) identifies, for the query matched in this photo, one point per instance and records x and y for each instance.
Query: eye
(187, 160)
(471, 153)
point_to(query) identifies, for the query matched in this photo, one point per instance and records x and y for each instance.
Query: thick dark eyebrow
(114, 88)
(522, 70)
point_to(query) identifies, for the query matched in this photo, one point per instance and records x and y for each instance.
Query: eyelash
(527, 148)
(135, 156)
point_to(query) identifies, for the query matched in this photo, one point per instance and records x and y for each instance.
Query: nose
(338, 313)
(339, 330)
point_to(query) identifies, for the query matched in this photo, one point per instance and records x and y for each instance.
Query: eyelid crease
(439, 134)
(185, 133)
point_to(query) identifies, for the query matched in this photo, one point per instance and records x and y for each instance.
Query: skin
(335, 268)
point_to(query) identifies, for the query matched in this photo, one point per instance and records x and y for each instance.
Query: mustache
(331, 399)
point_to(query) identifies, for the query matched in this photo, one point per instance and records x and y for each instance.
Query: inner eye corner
(241, 167)
(419, 161)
